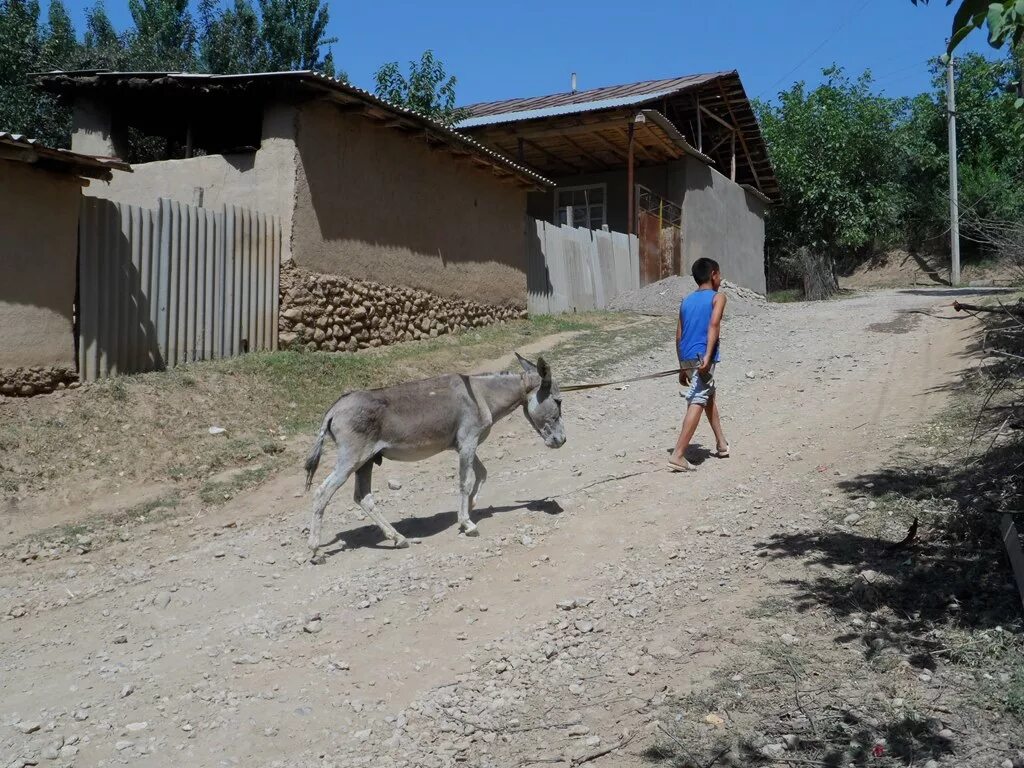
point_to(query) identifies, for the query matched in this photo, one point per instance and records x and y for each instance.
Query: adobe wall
(263, 180)
(38, 247)
(377, 204)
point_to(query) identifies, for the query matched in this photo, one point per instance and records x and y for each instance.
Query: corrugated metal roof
(647, 89)
(64, 159)
(566, 109)
(64, 81)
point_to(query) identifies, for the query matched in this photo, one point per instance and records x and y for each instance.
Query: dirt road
(600, 581)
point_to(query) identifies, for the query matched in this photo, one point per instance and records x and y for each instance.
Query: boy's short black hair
(702, 269)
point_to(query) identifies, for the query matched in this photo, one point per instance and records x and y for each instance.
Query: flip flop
(687, 467)
(720, 454)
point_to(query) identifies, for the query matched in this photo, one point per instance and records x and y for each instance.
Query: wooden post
(630, 213)
(188, 139)
(954, 208)
(700, 131)
(732, 166)
(1011, 540)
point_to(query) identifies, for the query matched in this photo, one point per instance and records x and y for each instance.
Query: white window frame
(603, 186)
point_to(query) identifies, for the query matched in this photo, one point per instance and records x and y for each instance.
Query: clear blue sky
(529, 48)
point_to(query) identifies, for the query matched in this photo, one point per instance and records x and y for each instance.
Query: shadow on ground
(956, 292)
(954, 575)
(425, 527)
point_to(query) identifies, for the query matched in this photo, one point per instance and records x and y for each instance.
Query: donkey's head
(543, 406)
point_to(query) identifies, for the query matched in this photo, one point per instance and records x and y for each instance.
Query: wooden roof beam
(604, 165)
(611, 146)
(743, 139)
(551, 156)
(672, 151)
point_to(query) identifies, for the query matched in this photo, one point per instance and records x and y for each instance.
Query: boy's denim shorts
(701, 389)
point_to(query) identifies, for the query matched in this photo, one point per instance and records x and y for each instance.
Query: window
(581, 206)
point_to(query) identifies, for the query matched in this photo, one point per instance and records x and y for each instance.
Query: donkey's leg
(364, 498)
(334, 481)
(481, 478)
(467, 487)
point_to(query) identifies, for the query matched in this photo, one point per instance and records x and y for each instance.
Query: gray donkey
(412, 421)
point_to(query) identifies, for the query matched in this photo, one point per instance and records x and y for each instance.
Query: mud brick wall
(37, 380)
(330, 312)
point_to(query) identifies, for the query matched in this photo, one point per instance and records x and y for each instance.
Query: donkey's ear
(544, 370)
(527, 365)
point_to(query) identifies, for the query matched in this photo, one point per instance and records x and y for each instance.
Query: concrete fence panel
(571, 269)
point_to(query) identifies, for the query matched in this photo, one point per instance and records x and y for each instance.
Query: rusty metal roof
(540, 119)
(24, 149)
(628, 94)
(398, 117)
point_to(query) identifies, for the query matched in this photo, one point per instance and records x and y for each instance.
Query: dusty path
(598, 581)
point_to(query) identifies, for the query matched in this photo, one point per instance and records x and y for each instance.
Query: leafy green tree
(102, 46)
(428, 89)
(59, 48)
(20, 44)
(839, 171)
(230, 39)
(164, 36)
(1003, 19)
(295, 34)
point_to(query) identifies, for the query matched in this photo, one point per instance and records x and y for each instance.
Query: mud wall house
(40, 197)
(679, 162)
(383, 211)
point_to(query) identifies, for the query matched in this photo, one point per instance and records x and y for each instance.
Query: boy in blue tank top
(697, 335)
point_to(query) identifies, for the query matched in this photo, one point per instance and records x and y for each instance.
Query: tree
(294, 32)
(20, 48)
(164, 36)
(838, 162)
(1004, 20)
(59, 48)
(230, 39)
(428, 89)
(102, 47)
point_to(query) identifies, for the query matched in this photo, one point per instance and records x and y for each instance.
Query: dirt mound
(663, 297)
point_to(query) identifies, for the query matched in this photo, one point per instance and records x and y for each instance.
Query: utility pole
(954, 207)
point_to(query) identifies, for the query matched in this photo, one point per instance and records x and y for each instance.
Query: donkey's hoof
(401, 543)
(318, 558)
(470, 530)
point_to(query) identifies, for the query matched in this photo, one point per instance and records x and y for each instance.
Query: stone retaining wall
(330, 312)
(37, 380)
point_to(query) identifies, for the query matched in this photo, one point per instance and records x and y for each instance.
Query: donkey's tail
(313, 459)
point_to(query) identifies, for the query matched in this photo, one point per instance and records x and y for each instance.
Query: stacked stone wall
(331, 312)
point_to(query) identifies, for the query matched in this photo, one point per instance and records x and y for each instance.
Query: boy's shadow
(696, 454)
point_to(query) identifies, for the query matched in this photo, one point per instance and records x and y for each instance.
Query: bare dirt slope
(600, 583)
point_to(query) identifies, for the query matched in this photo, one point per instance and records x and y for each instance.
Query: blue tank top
(695, 314)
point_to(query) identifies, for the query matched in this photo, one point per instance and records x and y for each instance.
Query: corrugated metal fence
(571, 269)
(157, 288)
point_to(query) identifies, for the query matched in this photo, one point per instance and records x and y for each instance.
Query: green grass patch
(786, 295)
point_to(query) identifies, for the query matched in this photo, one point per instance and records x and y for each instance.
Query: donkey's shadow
(370, 536)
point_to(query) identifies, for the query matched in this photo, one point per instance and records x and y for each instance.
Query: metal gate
(659, 227)
(158, 288)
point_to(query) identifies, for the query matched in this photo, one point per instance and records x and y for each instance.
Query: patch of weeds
(774, 605)
(218, 492)
(271, 447)
(8, 439)
(117, 390)
(151, 511)
(786, 295)
(1015, 693)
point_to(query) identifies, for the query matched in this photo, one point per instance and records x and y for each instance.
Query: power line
(820, 45)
